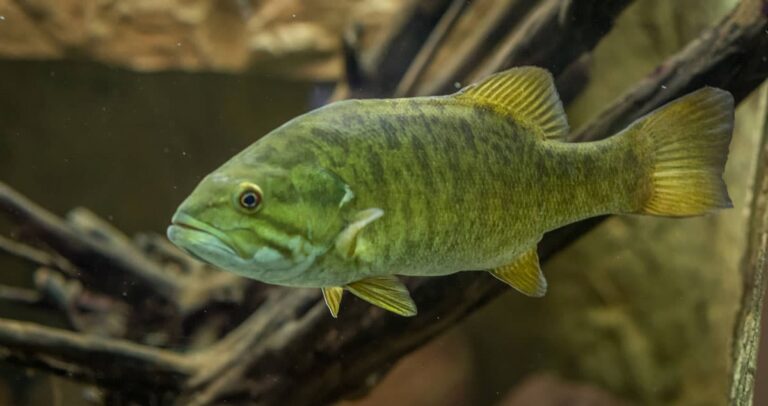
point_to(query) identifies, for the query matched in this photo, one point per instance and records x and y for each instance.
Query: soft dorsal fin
(524, 274)
(527, 94)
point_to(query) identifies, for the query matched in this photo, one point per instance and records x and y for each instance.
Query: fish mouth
(192, 234)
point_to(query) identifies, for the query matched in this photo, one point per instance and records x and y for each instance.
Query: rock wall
(291, 37)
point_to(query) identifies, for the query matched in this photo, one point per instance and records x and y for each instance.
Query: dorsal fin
(527, 94)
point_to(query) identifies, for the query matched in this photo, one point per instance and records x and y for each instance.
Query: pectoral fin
(346, 242)
(332, 296)
(524, 274)
(386, 292)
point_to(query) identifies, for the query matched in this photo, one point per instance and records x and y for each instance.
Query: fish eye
(250, 197)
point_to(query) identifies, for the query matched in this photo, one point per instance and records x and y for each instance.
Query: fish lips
(200, 239)
(205, 242)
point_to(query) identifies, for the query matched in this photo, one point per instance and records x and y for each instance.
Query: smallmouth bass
(353, 194)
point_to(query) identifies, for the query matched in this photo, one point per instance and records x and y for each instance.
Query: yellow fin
(386, 292)
(527, 94)
(332, 296)
(524, 274)
(346, 242)
(686, 142)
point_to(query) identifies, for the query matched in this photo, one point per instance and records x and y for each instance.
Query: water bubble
(2, 18)
(178, 44)
(184, 153)
(293, 15)
(664, 86)
(457, 85)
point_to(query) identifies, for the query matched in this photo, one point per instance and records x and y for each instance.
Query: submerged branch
(90, 253)
(22, 296)
(326, 376)
(732, 55)
(109, 361)
(289, 351)
(554, 34)
(754, 270)
(36, 256)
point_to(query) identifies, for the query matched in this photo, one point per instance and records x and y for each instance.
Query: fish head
(263, 222)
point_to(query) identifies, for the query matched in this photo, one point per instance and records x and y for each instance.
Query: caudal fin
(686, 146)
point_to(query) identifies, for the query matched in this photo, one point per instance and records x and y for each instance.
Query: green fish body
(355, 193)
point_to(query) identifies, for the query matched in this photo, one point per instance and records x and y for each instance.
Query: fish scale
(458, 204)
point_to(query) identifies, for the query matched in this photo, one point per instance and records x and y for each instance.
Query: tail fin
(686, 143)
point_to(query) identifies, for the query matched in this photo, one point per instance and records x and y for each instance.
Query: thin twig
(23, 296)
(36, 256)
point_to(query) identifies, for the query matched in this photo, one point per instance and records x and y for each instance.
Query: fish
(355, 194)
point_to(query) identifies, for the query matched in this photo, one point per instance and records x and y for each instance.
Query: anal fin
(386, 292)
(524, 274)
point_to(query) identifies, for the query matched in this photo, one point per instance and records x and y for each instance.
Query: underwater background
(639, 311)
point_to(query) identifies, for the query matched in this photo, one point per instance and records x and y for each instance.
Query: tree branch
(22, 296)
(36, 256)
(90, 253)
(108, 361)
(754, 269)
(371, 339)
(732, 55)
(553, 35)
(289, 351)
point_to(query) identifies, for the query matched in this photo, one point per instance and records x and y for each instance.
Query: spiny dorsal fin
(527, 94)
(332, 296)
(524, 274)
(386, 292)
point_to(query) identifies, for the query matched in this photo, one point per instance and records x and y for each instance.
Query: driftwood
(755, 275)
(187, 334)
(553, 35)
